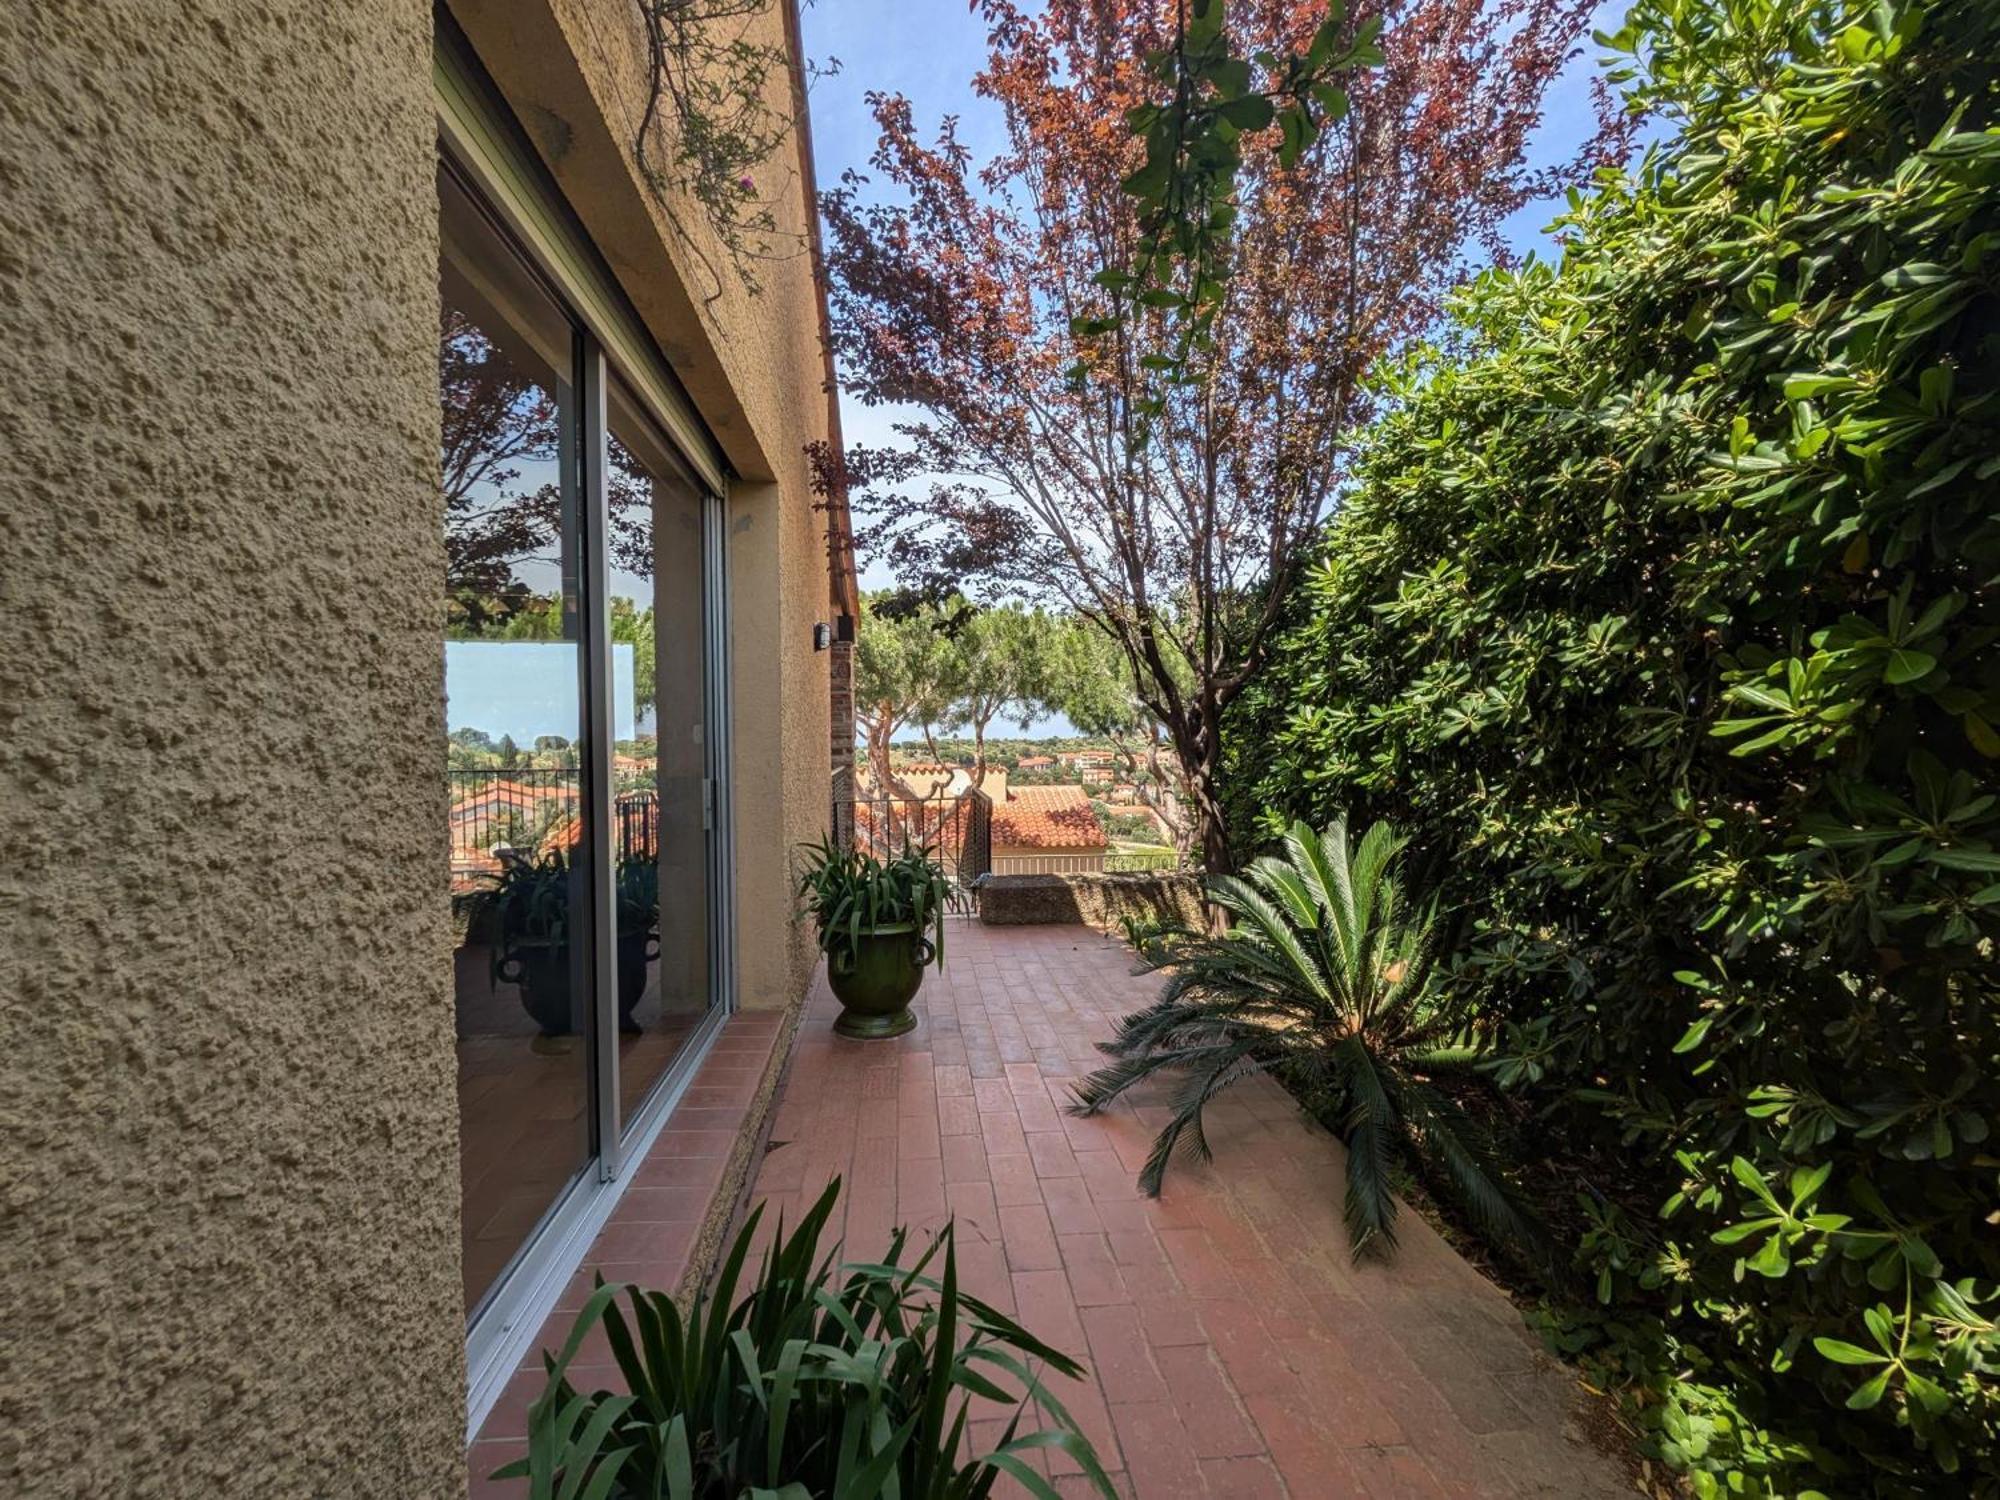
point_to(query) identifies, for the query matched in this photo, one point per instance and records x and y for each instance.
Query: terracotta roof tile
(1046, 817)
(883, 827)
(507, 795)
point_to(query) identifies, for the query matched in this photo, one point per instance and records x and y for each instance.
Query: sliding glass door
(658, 624)
(509, 426)
(580, 659)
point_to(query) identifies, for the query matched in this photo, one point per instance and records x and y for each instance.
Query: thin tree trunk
(1211, 827)
(879, 729)
(1201, 765)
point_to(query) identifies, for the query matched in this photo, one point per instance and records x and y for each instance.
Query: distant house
(506, 796)
(495, 812)
(1035, 763)
(1046, 830)
(1091, 765)
(1036, 830)
(885, 827)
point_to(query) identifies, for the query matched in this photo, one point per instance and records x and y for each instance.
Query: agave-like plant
(1325, 979)
(848, 892)
(816, 1384)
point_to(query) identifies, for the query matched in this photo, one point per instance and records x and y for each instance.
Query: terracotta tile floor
(1233, 1348)
(522, 1137)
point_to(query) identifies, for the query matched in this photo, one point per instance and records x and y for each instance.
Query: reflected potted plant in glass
(525, 910)
(881, 924)
(638, 907)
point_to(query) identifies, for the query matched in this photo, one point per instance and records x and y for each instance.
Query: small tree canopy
(987, 296)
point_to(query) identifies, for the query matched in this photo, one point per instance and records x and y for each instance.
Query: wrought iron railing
(523, 806)
(958, 830)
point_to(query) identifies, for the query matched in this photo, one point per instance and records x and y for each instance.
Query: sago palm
(1326, 980)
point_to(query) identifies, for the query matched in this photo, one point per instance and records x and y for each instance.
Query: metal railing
(523, 806)
(1133, 861)
(958, 830)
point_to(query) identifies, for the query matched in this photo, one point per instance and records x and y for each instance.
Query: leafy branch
(1184, 192)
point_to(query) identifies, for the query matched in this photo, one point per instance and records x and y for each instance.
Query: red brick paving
(1233, 1348)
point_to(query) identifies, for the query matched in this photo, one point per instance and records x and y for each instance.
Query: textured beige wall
(575, 74)
(228, 1256)
(228, 1200)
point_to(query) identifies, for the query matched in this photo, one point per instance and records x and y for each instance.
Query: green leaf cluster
(1184, 191)
(1326, 980)
(818, 1383)
(1662, 616)
(850, 892)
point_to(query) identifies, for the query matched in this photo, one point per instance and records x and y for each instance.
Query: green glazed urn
(875, 978)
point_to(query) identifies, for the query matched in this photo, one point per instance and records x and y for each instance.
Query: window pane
(660, 722)
(512, 653)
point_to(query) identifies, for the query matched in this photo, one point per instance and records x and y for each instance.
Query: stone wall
(1099, 901)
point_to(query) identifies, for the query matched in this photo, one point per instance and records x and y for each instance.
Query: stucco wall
(228, 1239)
(575, 73)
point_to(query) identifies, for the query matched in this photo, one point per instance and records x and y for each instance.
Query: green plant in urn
(881, 923)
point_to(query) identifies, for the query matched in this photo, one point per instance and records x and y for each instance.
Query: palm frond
(1456, 1147)
(1371, 1127)
(1445, 1062)
(1321, 861)
(1211, 1074)
(1187, 1011)
(1369, 877)
(1102, 1087)
(1264, 927)
(1329, 979)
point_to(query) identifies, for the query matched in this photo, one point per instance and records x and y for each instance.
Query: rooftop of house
(1046, 817)
(501, 795)
(889, 824)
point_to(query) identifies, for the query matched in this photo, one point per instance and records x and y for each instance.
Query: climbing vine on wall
(710, 134)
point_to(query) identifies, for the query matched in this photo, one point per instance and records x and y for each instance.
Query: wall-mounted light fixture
(822, 635)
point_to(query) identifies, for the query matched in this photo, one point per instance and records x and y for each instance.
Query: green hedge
(1662, 613)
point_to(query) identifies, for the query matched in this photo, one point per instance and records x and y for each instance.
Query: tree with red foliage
(1072, 445)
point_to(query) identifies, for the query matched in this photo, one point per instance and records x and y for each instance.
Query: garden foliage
(1324, 980)
(1662, 617)
(820, 1381)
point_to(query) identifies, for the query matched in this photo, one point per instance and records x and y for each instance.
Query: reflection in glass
(660, 719)
(508, 414)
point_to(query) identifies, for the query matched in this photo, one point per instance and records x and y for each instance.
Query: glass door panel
(521, 849)
(661, 770)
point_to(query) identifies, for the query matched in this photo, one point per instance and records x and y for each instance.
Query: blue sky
(928, 50)
(528, 689)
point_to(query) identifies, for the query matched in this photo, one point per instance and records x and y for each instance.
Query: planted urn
(881, 924)
(523, 913)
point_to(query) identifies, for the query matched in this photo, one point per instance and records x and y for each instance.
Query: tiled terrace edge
(682, 1199)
